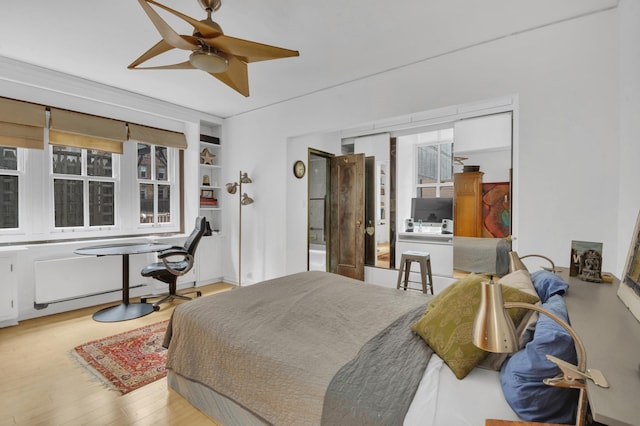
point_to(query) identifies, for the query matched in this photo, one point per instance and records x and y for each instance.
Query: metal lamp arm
(570, 371)
(553, 265)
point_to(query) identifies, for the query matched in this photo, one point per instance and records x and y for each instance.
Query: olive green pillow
(447, 326)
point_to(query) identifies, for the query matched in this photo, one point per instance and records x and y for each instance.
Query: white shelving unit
(210, 183)
(209, 254)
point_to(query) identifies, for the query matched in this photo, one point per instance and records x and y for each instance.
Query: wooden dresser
(467, 204)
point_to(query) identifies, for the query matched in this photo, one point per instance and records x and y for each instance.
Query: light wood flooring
(41, 383)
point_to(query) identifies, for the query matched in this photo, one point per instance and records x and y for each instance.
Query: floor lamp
(244, 200)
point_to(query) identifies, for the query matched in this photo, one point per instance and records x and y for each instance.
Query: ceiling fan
(222, 56)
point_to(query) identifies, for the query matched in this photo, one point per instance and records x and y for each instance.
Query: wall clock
(299, 169)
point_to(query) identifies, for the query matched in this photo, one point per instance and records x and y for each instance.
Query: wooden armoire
(467, 204)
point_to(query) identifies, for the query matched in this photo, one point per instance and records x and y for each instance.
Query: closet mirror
(416, 178)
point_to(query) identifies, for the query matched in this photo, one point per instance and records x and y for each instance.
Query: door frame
(327, 210)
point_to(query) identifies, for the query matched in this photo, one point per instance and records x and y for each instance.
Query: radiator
(74, 277)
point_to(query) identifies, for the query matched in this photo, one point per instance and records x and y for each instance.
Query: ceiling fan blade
(236, 76)
(159, 48)
(202, 27)
(168, 34)
(181, 66)
(249, 51)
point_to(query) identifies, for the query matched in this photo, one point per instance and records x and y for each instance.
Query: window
(9, 181)
(154, 184)
(66, 175)
(84, 183)
(434, 170)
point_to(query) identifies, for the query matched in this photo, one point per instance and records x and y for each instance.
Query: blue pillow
(547, 284)
(522, 374)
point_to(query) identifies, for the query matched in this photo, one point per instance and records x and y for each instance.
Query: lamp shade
(493, 329)
(244, 178)
(246, 200)
(232, 187)
(515, 264)
(211, 62)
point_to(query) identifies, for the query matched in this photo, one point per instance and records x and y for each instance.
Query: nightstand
(494, 422)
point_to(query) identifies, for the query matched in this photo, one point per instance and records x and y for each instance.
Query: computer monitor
(431, 210)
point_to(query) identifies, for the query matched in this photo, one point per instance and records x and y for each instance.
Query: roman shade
(68, 128)
(155, 136)
(22, 124)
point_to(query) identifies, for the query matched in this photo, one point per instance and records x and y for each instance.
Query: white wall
(629, 172)
(566, 77)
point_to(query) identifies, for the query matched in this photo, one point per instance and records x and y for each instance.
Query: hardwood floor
(41, 383)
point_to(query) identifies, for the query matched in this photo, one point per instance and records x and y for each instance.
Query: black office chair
(176, 261)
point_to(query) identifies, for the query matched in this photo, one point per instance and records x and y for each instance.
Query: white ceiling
(339, 40)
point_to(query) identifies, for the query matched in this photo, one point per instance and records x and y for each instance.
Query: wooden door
(347, 215)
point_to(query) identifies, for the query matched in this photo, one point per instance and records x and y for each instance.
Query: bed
(481, 255)
(318, 348)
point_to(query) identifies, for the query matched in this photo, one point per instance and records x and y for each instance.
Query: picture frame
(629, 290)
(207, 193)
(586, 261)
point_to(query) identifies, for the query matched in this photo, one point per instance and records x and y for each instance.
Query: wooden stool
(424, 260)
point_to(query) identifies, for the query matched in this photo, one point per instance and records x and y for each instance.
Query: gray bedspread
(274, 347)
(377, 387)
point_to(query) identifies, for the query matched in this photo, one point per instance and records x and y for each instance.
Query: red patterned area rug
(128, 360)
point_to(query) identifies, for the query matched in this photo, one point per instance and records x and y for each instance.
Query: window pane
(146, 203)
(446, 191)
(67, 160)
(99, 163)
(427, 192)
(427, 163)
(446, 162)
(164, 203)
(8, 158)
(161, 163)
(68, 199)
(8, 201)
(144, 161)
(101, 205)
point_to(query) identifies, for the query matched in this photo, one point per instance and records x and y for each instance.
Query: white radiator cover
(73, 277)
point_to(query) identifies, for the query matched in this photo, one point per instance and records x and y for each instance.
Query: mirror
(318, 172)
(629, 290)
(425, 163)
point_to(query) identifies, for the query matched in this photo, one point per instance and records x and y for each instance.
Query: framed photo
(629, 290)
(206, 193)
(586, 261)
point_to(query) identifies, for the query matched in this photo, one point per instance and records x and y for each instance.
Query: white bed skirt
(212, 403)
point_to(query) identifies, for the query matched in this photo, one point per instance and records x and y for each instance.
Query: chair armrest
(173, 251)
(165, 255)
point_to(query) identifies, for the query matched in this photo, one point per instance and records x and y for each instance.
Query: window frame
(85, 178)
(20, 172)
(439, 184)
(171, 173)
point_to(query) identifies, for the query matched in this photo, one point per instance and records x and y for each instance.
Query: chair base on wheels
(424, 260)
(167, 297)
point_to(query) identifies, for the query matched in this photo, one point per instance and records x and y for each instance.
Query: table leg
(125, 310)
(125, 279)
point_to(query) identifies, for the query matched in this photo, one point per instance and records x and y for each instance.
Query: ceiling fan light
(211, 62)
